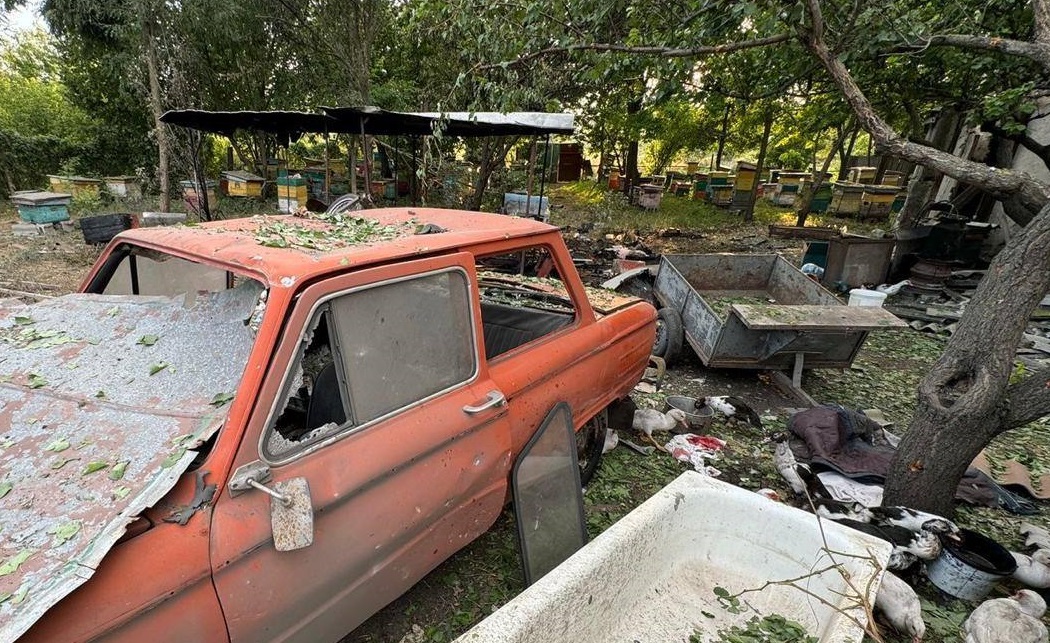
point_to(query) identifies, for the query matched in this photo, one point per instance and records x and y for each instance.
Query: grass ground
(487, 573)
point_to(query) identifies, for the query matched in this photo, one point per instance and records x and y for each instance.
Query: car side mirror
(292, 515)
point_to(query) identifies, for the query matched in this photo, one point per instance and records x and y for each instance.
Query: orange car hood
(102, 400)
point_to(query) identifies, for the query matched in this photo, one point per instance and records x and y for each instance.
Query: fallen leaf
(148, 340)
(173, 459)
(58, 463)
(61, 444)
(36, 381)
(221, 398)
(5, 488)
(158, 367)
(121, 492)
(117, 472)
(12, 564)
(23, 321)
(92, 467)
(64, 533)
(101, 395)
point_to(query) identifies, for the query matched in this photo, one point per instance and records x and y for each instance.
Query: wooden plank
(839, 318)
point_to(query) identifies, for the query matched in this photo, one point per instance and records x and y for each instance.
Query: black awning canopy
(374, 121)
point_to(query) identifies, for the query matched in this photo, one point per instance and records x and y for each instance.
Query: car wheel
(670, 335)
(590, 441)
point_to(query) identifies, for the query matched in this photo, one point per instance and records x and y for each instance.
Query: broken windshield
(132, 270)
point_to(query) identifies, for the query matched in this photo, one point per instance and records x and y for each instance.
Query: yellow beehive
(845, 198)
(75, 185)
(877, 200)
(242, 184)
(862, 174)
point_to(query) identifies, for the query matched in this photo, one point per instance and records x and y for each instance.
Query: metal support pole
(415, 169)
(543, 180)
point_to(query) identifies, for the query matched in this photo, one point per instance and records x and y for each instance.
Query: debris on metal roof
(324, 232)
(90, 437)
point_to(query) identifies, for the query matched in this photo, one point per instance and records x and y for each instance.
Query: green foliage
(40, 128)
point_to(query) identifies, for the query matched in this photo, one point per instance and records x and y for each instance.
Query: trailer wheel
(590, 441)
(670, 335)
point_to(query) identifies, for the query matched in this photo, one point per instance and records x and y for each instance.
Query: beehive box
(291, 193)
(876, 201)
(862, 174)
(124, 187)
(242, 184)
(336, 166)
(41, 207)
(192, 199)
(721, 194)
(77, 186)
(845, 198)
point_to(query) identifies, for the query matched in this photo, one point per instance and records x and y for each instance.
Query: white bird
(1008, 620)
(785, 462)
(648, 420)
(899, 604)
(1034, 570)
(837, 510)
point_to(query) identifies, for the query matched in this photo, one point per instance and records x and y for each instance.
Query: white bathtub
(651, 577)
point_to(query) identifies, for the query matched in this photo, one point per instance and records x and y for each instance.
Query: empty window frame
(522, 299)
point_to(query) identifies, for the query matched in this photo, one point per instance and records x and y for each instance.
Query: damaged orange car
(269, 428)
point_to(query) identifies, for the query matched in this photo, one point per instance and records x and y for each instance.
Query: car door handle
(493, 399)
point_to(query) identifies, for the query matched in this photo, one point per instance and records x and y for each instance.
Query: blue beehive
(42, 207)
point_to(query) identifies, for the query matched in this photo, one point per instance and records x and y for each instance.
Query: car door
(408, 463)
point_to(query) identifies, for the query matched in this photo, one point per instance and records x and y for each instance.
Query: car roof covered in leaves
(289, 249)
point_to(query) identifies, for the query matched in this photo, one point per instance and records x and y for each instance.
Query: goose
(910, 519)
(1008, 620)
(837, 509)
(1034, 570)
(648, 420)
(899, 604)
(785, 462)
(733, 407)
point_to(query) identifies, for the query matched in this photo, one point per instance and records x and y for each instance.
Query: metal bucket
(697, 418)
(970, 569)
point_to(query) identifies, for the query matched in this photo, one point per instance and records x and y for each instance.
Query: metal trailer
(799, 324)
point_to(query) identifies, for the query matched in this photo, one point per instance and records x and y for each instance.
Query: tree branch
(1027, 400)
(662, 52)
(1036, 51)
(999, 182)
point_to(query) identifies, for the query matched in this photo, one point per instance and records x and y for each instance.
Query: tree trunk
(492, 154)
(818, 179)
(847, 152)
(966, 399)
(631, 157)
(767, 125)
(149, 34)
(722, 139)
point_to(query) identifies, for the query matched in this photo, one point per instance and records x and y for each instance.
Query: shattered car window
(140, 271)
(369, 353)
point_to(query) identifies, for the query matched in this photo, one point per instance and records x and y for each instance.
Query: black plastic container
(102, 228)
